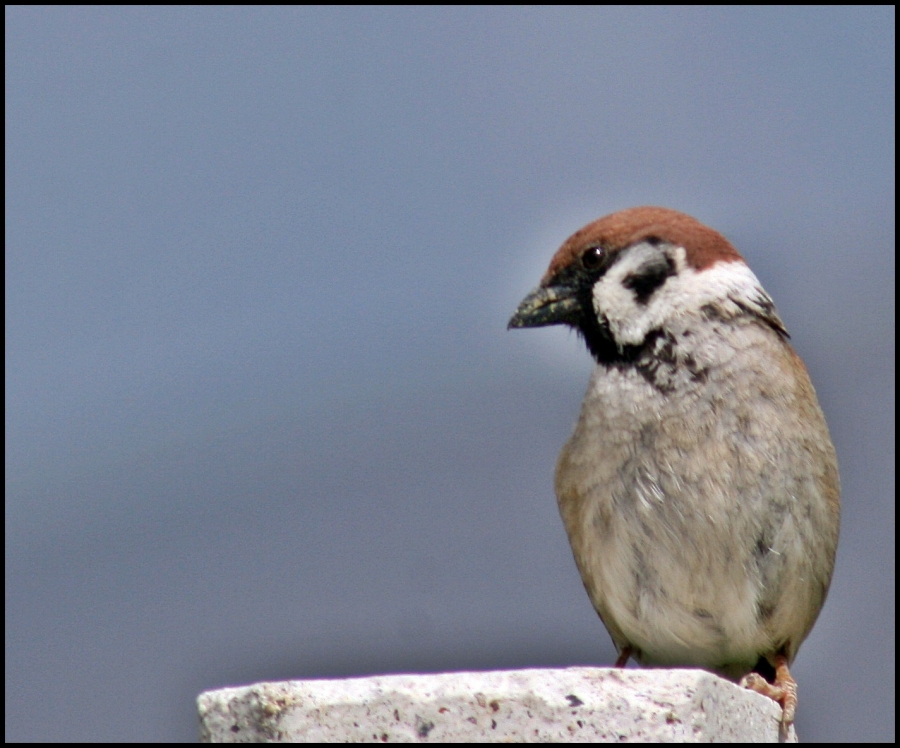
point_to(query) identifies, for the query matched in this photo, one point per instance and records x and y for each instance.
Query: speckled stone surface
(571, 705)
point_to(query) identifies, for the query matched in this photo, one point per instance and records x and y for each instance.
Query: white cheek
(683, 294)
(629, 322)
(616, 305)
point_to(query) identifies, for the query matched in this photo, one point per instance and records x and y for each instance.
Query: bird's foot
(783, 690)
(622, 659)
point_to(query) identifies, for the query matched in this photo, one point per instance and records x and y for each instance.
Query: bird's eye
(592, 258)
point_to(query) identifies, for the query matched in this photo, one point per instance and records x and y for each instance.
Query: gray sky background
(263, 416)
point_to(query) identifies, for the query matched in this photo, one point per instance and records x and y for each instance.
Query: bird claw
(783, 690)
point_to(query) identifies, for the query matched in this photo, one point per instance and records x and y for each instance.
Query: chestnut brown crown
(703, 245)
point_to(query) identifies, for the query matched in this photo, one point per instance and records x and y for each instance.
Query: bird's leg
(622, 659)
(783, 690)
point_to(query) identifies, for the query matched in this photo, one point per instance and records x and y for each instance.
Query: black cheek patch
(649, 277)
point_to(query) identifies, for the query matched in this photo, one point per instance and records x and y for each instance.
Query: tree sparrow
(700, 489)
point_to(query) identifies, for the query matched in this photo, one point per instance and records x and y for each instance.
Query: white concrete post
(578, 704)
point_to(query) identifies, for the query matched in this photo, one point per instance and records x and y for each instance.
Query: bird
(699, 490)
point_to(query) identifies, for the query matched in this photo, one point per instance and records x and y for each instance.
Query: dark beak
(548, 305)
